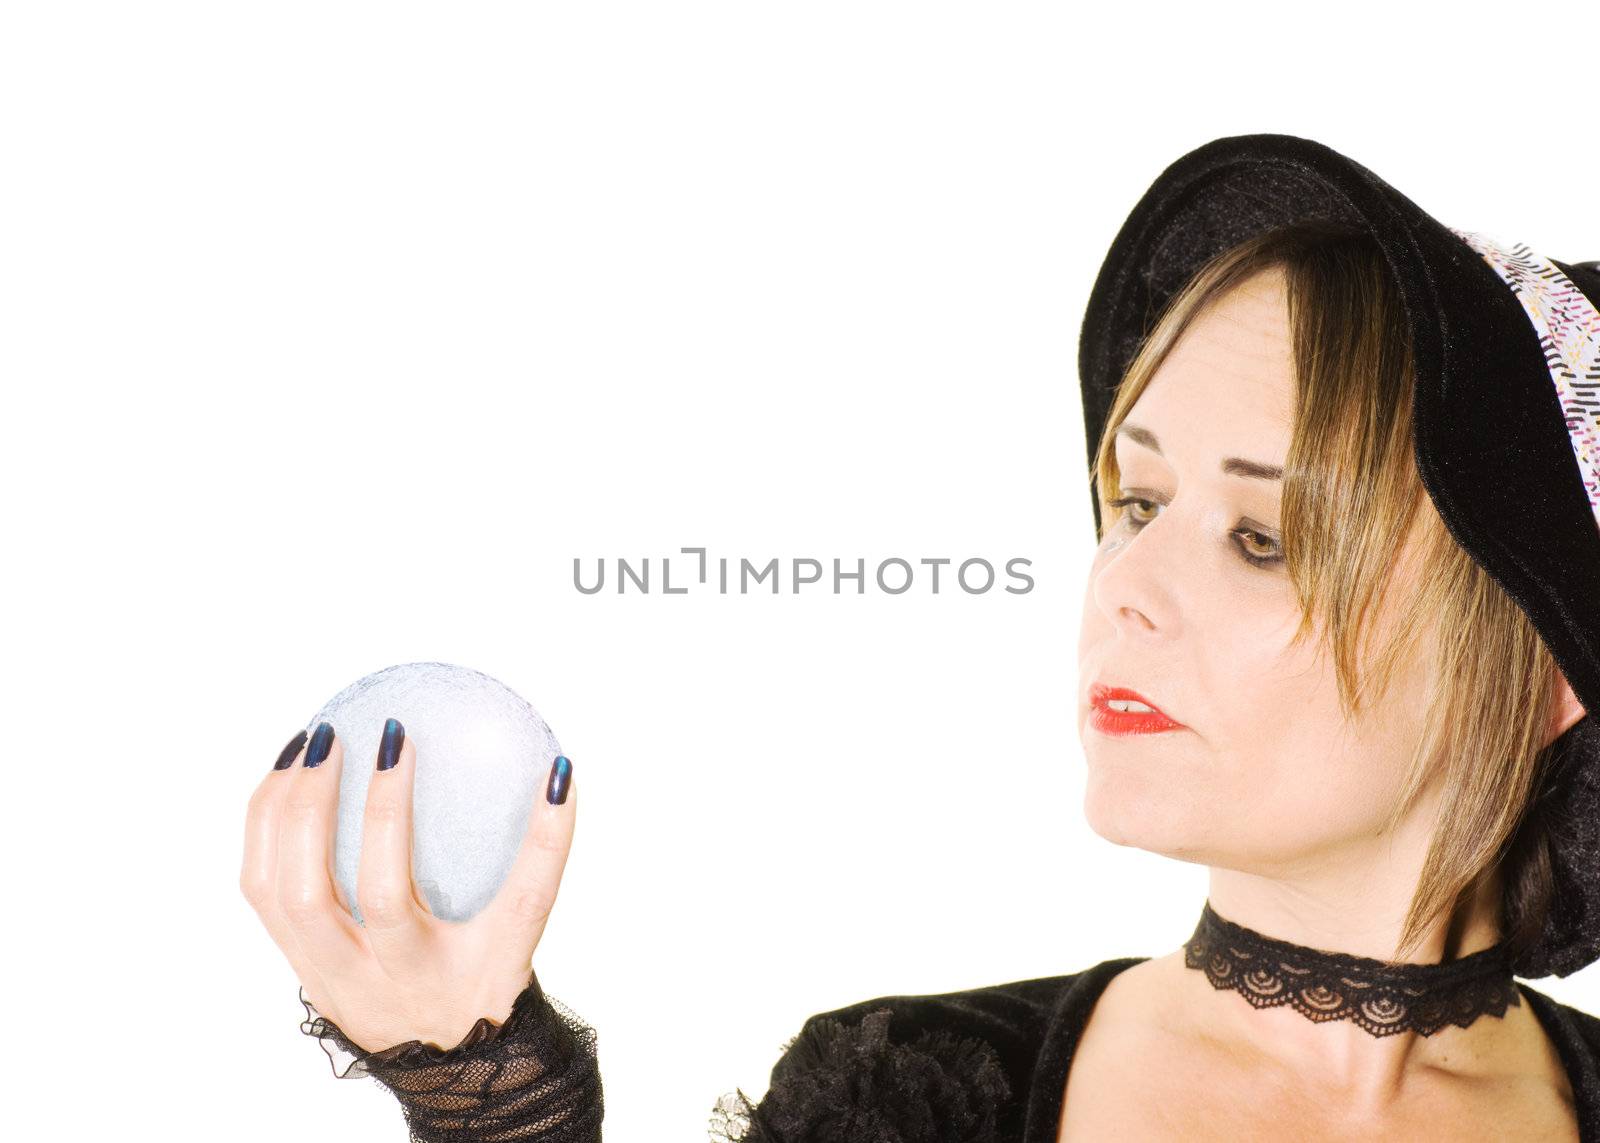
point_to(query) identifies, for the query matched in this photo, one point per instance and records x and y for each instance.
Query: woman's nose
(1134, 576)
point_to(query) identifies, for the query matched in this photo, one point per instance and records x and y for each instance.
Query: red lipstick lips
(1117, 722)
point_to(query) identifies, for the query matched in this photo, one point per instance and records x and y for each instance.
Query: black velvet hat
(1507, 417)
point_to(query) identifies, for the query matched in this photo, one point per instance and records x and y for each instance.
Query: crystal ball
(482, 755)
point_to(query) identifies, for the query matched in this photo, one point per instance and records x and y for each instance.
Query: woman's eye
(1249, 539)
(1256, 548)
(1134, 517)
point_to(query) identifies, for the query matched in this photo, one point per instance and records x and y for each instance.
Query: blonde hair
(1353, 505)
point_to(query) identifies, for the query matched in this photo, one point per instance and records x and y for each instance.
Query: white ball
(482, 755)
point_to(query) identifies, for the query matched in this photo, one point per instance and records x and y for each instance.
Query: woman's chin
(1141, 810)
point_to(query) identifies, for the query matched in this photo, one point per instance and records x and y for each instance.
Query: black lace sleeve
(853, 1083)
(535, 1077)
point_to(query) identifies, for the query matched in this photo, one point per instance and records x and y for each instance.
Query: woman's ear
(1567, 711)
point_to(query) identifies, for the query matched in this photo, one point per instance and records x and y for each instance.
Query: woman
(1342, 551)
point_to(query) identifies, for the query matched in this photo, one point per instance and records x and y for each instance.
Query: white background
(333, 333)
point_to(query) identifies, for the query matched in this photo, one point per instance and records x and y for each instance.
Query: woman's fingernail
(394, 737)
(560, 776)
(321, 743)
(290, 752)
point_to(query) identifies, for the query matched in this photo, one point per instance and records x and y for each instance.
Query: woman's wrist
(442, 1023)
(352, 1054)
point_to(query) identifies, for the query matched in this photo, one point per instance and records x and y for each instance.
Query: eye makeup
(1248, 534)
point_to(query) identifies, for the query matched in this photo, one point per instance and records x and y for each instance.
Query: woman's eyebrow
(1231, 465)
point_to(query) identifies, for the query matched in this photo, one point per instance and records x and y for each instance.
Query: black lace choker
(1381, 996)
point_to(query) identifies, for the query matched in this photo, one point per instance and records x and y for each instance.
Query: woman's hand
(403, 974)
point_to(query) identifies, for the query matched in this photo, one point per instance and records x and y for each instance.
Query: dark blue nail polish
(321, 743)
(394, 737)
(560, 776)
(290, 752)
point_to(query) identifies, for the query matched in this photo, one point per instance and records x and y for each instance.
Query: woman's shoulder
(1576, 1032)
(1010, 1017)
(968, 1053)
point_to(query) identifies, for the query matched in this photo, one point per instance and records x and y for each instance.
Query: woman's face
(1265, 771)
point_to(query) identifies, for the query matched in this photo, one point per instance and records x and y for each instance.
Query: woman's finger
(325, 931)
(396, 926)
(258, 875)
(519, 910)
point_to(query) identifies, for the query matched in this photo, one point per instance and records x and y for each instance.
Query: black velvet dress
(985, 1065)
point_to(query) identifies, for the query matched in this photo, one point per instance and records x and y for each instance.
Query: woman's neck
(1347, 1057)
(1358, 916)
